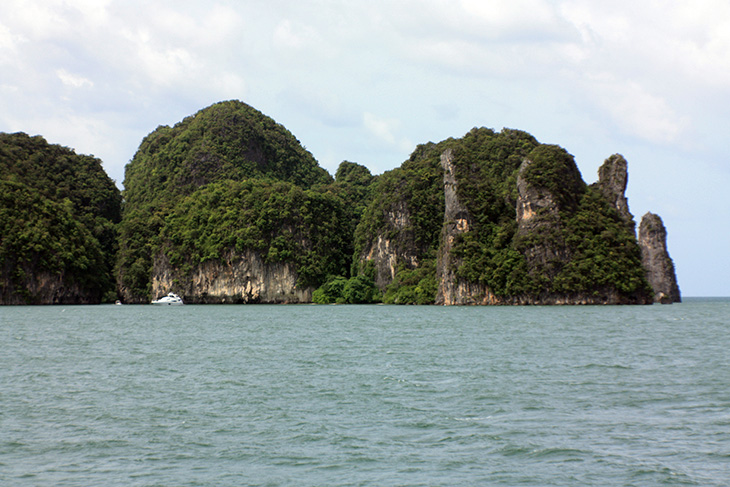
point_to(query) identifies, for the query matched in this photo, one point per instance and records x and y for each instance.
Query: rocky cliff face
(392, 248)
(41, 287)
(542, 212)
(656, 260)
(242, 278)
(457, 221)
(538, 214)
(613, 177)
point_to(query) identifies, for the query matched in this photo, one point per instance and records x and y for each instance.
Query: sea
(313, 395)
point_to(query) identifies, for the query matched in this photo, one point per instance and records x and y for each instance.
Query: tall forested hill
(58, 211)
(228, 141)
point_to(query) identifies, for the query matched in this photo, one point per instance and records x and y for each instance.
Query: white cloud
(386, 130)
(513, 19)
(73, 80)
(286, 36)
(380, 127)
(637, 112)
(94, 12)
(7, 43)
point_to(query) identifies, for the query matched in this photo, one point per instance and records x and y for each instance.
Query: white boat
(171, 298)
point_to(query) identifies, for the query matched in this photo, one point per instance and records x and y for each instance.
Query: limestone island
(227, 206)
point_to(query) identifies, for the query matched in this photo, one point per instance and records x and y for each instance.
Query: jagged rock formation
(457, 221)
(48, 288)
(538, 214)
(613, 177)
(656, 260)
(228, 207)
(398, 227)
(387, 253)
(518, 226)
(236, 279)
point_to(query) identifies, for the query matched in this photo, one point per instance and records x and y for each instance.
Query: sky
(366, 81)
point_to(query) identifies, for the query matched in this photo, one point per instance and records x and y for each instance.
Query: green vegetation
(413, 286)
(605, 254)
(354, 184)
(584, 244)
(359, 289)
(58, 212)
(486, 164)
(229, 180)
(279, 220)
(407, 209)
(226, 141)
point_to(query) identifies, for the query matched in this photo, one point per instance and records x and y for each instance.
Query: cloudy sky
(366, 81)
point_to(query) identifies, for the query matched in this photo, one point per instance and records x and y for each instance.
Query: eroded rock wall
(42, 287)
(457, 220)
(244, 278)
(613, 177)
(655, 258)
(392, 247)
(538, 216)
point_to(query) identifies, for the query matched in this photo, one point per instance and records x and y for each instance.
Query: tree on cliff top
(228, 140)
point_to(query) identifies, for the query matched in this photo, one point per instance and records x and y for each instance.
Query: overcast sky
(366, 81)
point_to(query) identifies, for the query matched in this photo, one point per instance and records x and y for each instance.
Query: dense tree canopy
(230, 180)
(58, 212)
(280, 220)
(597, 251)
(228, 141)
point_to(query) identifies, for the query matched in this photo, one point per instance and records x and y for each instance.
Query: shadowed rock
(656, 261)
(613, 176)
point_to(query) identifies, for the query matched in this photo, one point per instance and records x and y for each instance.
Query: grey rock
(613, 176)
(656, 260)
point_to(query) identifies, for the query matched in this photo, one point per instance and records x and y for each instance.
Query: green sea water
(365, 395)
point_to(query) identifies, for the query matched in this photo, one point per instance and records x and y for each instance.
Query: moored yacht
(170, 299)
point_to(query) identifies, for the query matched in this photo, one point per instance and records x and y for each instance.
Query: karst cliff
(657, 263)
(227, 206)
(517, 225)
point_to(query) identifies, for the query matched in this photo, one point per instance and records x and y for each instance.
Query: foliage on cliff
(407, 205)
(582, 247)
(486, 165)
(58, 211)
(279, 220)
(228, 141)
(229, 180)
(358, 289)
(596, 251)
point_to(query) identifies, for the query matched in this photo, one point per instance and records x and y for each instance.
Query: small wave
(514, 451)
(567, 454)
(549, 453)
(605, 366)
(473, 419)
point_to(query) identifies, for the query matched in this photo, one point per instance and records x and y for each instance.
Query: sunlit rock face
(393, 247)
(240, 279)
(457, 220)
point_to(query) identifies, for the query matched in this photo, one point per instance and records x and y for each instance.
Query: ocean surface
(365, 395)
